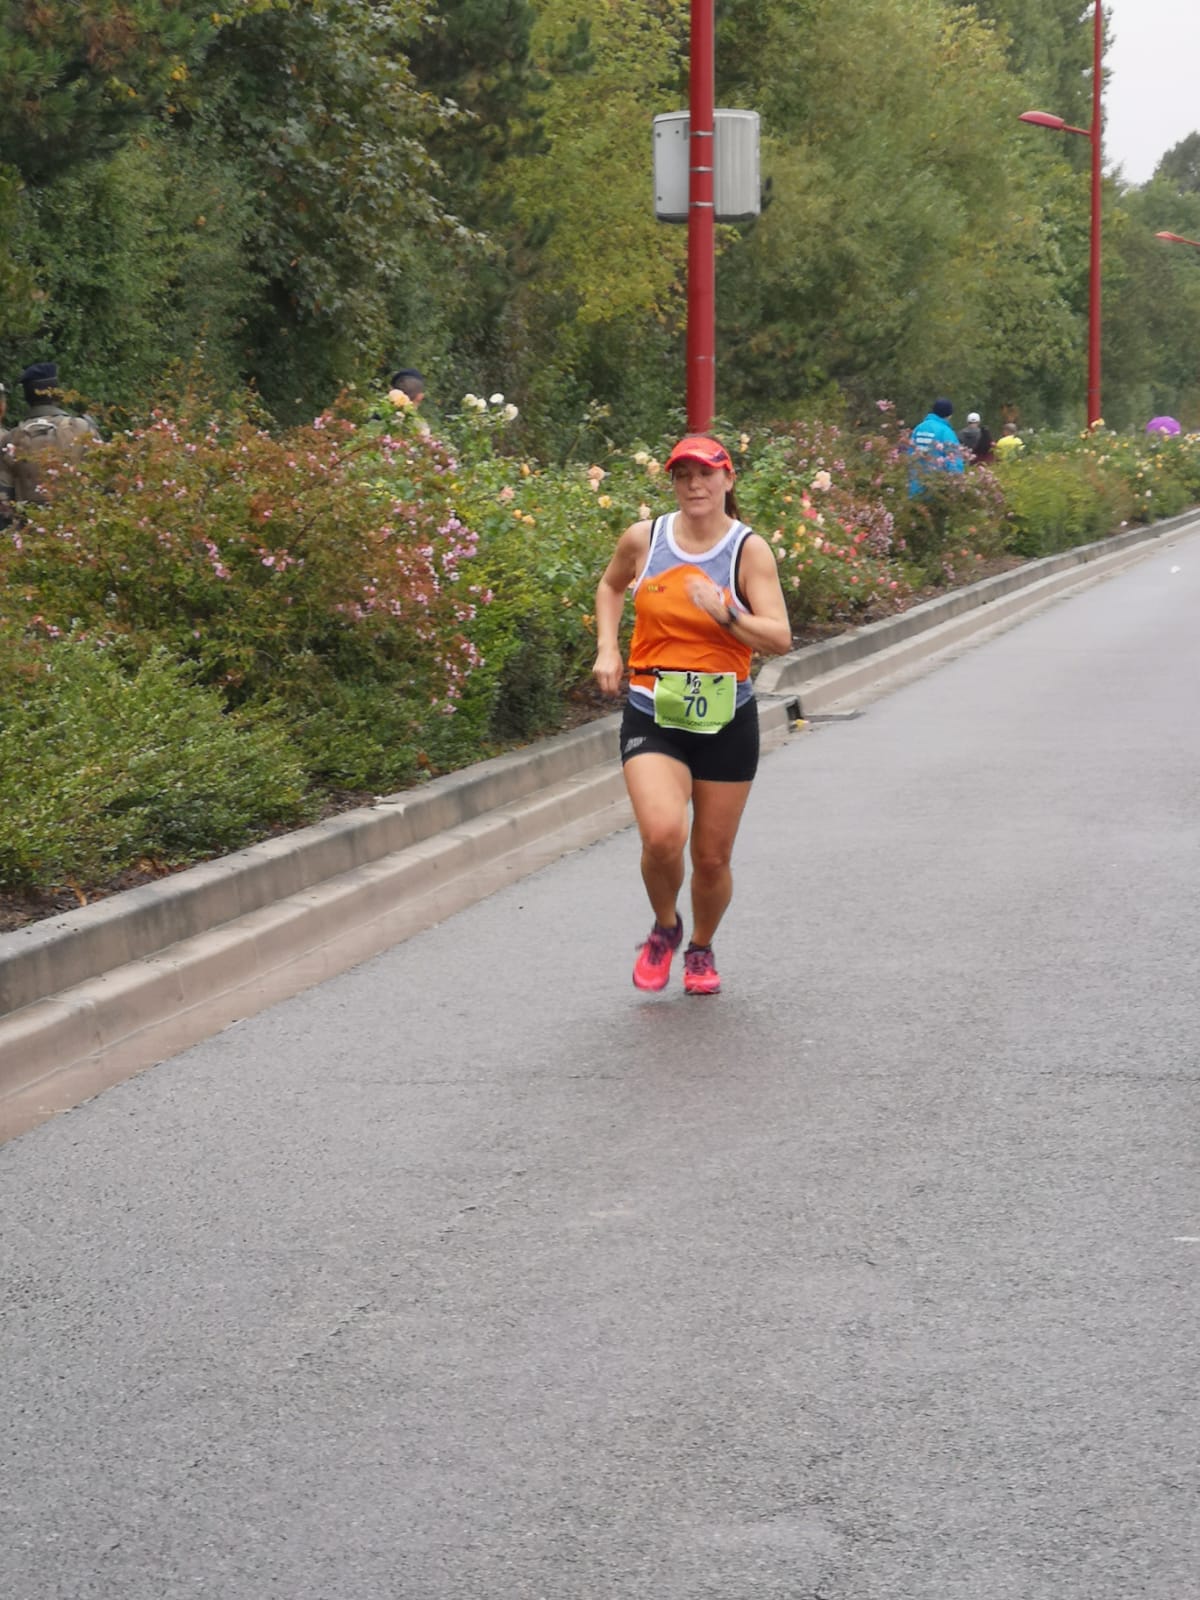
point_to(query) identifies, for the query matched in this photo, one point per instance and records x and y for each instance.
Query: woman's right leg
(660, 790)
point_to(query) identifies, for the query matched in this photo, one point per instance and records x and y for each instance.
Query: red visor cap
(697, 448)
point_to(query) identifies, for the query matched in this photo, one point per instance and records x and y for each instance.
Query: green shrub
(1160, 476)
(518, 692)
(363, 734)
(1055, 502)
(100, 769)
(801, 491)
(955, 515)
(545, 535)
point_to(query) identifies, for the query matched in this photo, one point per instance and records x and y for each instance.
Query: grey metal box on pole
(737, 192)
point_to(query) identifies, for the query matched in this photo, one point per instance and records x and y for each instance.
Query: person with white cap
(975, 438)
(707, 599)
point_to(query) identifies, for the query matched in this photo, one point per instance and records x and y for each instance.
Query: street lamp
(705, 171)
(1177, 238)
(701, 252)
(1044, 119)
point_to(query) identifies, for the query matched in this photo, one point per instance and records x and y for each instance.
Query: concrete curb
(90, 997)
(818, 662)
(101, 1030)
(62, 951)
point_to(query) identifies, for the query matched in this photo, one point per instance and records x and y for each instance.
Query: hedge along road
(474, 1272)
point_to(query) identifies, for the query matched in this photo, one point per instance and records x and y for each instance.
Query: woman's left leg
(716, 812)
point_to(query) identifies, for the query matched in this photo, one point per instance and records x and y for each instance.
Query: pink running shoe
(699, 970)
(653, 965)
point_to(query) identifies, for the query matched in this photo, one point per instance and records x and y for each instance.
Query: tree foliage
(316, 111)
(139, 261)
(304, 195)
(1049, 45)
(1180, 166)
(75, 80)
(898, 255)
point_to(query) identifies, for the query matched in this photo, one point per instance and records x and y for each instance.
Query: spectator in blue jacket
(934, 446)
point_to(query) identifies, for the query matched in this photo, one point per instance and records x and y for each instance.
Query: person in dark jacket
(6, 495)
(48, 433)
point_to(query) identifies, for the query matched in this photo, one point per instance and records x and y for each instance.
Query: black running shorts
(730, 756)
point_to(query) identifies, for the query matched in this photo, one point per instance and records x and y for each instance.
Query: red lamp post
(1043, 119)
(1177, 238)
(701, 267)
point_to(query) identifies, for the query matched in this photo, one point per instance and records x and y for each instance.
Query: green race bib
(696, 702)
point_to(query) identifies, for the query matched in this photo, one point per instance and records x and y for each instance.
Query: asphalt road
(475, 1273)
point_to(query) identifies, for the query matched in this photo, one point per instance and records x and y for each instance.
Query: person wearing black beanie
(934, 446)
(40, 383)
(47, 433)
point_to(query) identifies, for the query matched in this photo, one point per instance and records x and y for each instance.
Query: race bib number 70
(696, 702)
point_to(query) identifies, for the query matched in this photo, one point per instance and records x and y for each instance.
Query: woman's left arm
(768, 630)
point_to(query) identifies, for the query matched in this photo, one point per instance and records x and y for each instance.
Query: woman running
(706, 598)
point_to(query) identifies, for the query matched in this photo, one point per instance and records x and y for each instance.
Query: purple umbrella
(1163, 425)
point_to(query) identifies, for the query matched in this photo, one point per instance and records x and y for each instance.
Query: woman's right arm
(632, 549)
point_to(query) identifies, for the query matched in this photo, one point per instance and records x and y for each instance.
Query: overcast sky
(1153, 98)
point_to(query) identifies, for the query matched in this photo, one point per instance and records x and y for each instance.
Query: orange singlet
(670, 632)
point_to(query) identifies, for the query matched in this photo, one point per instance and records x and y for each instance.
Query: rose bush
(297, 571)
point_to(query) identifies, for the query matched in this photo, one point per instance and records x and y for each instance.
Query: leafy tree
(748, 35)
(597, 278)
(586, 194)
(1049, 45)
(450, 303)
(141, 262)
(1181, 165)
(1038, 316)
(310, 194)
(75, 80)
(314, 107)
(477, 54)
(901, 255)
(18, 309)
(1151, 306)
